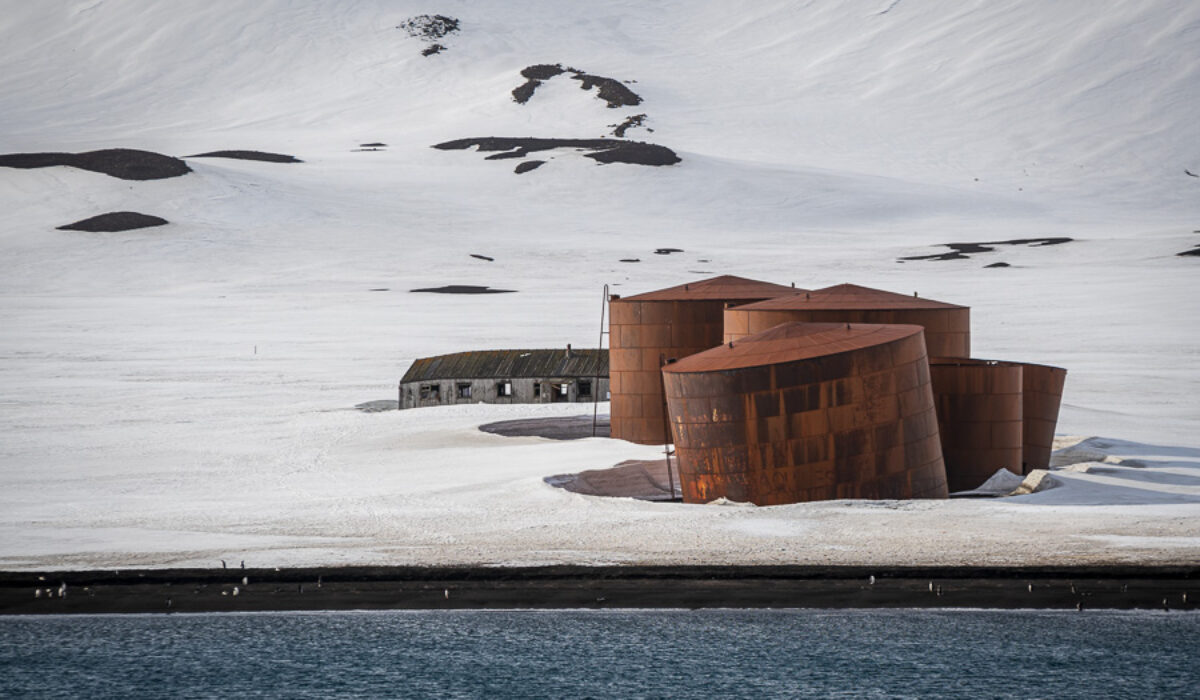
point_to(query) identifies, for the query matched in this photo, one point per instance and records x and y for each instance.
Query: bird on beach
(223, 564)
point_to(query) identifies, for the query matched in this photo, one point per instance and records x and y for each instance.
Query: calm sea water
(627, 654)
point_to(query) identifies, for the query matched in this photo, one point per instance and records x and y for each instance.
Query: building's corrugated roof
(510, 364)
(847, 297)
(790, 342)
(721, 288)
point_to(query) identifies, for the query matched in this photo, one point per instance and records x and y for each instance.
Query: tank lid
(790, 342)
(723, 287)
(849, 297)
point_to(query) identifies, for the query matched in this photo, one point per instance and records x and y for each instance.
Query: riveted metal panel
(814, 432)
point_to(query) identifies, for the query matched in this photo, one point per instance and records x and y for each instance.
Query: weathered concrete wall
(489, 391)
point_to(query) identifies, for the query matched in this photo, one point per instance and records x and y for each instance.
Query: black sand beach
(482, 587)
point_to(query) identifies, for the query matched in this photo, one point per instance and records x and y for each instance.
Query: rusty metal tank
(1043, 388)
(980, 410)
(947, 326)
(647, 329)
(807, 412)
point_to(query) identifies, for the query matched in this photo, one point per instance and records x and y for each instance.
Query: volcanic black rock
(250, 155)
(115, 221)
(601, 150)
(123, 163)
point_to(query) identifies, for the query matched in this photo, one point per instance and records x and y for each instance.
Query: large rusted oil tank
(947, 326)
(1043, 387)
(647, 329)
(980, 410)
(807, 412)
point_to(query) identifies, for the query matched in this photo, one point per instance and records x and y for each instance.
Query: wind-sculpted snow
(123, 163)
(600, 150)
(115, 221)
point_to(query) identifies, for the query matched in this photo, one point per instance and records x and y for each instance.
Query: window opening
(464, 391)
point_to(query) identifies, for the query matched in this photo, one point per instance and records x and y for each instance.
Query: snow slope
(170, 394)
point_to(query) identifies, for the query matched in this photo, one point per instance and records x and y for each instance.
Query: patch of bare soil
(963, 251)
(600, 150)
(123, 163)
(115, 221)
(250, 155)
(463, 289)
(610, 90)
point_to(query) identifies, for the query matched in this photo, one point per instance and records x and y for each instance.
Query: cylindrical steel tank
(947, 326)
(1043, 386)
(647, 329)
(807, 412)
(980, 410)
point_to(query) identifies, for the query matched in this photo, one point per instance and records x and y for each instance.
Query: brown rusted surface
(947, 326)
(980, 410)
(1043, 387)
(667, 324)
(807, 412)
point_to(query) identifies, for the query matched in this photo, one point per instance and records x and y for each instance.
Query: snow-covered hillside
(174, 392)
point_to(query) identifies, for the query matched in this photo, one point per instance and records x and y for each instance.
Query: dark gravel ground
(601, 150)
(250, 155)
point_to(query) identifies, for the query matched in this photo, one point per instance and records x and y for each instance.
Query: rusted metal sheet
(805, 412)
(647, 329)
(980, 409)
(1043, 387)
(947, 326)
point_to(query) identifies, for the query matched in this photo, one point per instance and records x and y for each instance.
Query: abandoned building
(507, 376)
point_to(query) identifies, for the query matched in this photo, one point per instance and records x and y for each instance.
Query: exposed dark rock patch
(431, 50)
(115, 221)
(1189, 172)
(376, 144)
(963, 251)
(601, 150)
(630, 260)
(637, 120)
(1190, 253)
(123, 163)
(483, 257)
(528, 165)
(608, 89)
(379, 289)
(463, 289)
(998, 264)
(667, 251)
(250, 155)
(429, 27)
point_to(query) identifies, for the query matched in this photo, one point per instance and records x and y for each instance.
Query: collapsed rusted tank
(980, 410)
(1043, 388)
(647, 329)
(807, 412)
(947, 326)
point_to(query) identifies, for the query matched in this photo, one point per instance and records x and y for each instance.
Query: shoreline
(599, 587)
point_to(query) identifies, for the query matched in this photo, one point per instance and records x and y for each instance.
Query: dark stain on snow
(667, 251)
(610, 90)
(963, 251)
(123, 163)
(482, 257)
(115, 221)
(600, 150)
(463, 289)
(250, 155)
